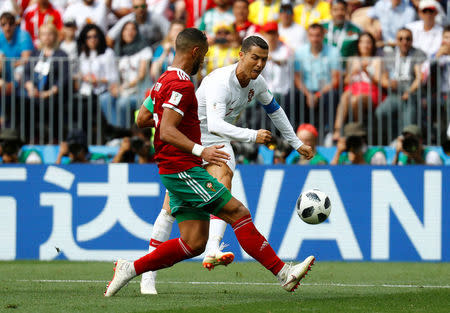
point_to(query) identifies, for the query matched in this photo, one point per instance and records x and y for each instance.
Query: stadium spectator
(221, 14)
(442, 60)
(165, 52)
(117, 9)
(87, 12)
(357, 13)
(152, 27)
(427, 33)
(37, 14)
(436, 74)
(10, 149)
(243, 27)
(5, 86)
(317, 74)
(404, 68)
(46, 73)
(292, 34)
(14, 43)
(410, 149)
(97, 66)
(392, 15)
(362, 79)
(441, 8)
(69, 43)
(340, 32)
(277, 71)
(10, 144)
(194, 10)
(76, 150)
(263, 11)
(136, 149)
(311, 12)
(134, 59)
(222, 52)
(46, 79)
(309, 135)
(353, 148)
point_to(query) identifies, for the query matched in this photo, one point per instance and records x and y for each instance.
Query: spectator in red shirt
(42, 12)
(195, 9)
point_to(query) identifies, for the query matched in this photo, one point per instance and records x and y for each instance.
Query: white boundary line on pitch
(236, 283)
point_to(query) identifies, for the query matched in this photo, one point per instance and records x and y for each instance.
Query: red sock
(256, 245)
(166, 254)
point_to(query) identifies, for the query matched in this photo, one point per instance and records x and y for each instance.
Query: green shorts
(195, 194)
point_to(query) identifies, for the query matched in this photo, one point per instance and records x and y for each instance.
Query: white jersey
(221, 94)
(221, 100)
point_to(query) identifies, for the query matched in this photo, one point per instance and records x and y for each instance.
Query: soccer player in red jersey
(194, 193)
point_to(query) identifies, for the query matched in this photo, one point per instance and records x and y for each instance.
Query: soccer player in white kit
(222, 96)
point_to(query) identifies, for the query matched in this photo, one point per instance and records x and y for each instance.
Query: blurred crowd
(340, 65)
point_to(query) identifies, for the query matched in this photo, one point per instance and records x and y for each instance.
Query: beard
(196, 66)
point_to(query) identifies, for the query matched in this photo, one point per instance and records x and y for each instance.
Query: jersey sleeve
(179, 97)
(264, 96)
(276, 113)
(148, 103)
(218, 96)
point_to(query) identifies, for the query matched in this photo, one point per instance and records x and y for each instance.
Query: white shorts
(228, 149)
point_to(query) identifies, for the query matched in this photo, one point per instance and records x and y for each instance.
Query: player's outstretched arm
(169, 133)
(145, 118)
(281, 122)
(215, 113)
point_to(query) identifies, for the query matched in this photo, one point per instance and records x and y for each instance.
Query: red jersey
(33, 19)
(174, 90)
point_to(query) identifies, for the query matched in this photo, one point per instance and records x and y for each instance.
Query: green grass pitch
(62, 286)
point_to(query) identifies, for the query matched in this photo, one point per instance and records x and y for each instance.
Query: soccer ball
(313, 206)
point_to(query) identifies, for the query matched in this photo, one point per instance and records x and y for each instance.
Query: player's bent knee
(233, 211)
(242, 211)
(197, 247)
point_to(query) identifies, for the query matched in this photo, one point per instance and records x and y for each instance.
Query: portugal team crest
(210, 186)
(251, 93)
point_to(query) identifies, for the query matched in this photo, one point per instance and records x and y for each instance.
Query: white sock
(216, 230)
(282, 273)
(161, 232)
(161, 229)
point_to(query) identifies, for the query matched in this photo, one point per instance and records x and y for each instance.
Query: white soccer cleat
(218, 258)
(123, 272)
(291, 275)
(148, 283)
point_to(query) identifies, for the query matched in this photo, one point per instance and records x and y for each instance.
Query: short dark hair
(189, 38)
(251, 41)
(316, 26)
(81, 42)
(9, 17)
(343, 2)
(446, 29)
(404, 29)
